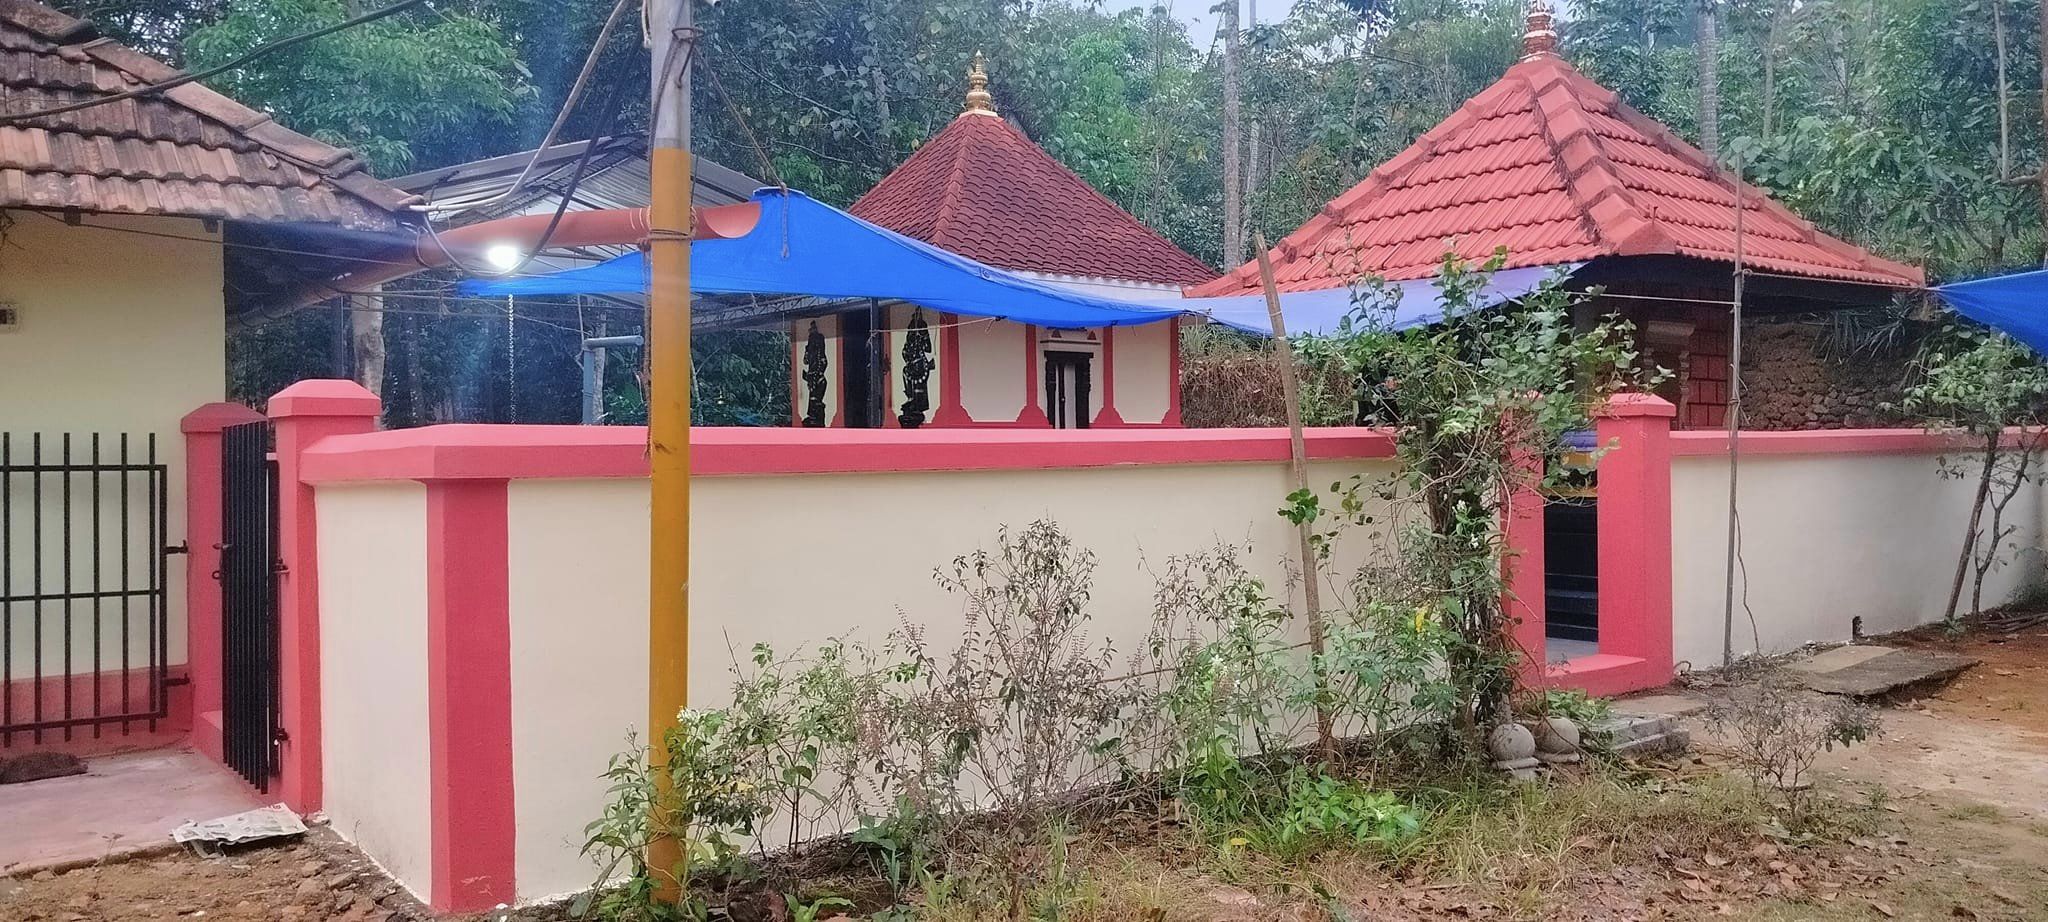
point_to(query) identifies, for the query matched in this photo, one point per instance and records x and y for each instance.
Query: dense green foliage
(1884, 121)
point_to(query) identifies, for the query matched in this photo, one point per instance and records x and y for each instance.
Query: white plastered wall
(991, 370)
(117, 333)
(1825, 539)
(1144, 372)
(799, 559)
(375, 765)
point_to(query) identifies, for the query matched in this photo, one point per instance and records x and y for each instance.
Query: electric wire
(247, 57)
(569, 103)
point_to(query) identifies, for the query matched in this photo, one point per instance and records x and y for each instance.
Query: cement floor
(125, 803)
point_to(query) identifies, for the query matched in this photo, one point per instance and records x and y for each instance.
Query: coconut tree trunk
(1233, 176)
(1710, 80)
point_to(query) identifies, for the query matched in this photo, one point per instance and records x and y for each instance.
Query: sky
(1199, 17)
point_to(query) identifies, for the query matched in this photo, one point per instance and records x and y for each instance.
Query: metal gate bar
(248, 578)
(57, 601)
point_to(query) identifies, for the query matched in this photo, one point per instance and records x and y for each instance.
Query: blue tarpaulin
(2012, 303)
(803, 247)
(1418, 303)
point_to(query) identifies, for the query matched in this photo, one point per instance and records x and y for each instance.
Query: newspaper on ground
(210, 836)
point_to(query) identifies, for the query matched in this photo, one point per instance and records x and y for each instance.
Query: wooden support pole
(1297, 453)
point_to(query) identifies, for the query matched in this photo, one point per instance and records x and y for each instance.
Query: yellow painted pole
(671, 39)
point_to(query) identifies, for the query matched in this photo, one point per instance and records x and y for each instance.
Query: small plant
(1571, 704)
(1320, 811)
(1779, 732)
(813, 910)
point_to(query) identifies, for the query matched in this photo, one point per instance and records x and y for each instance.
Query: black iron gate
(83, 607)
(248, 590)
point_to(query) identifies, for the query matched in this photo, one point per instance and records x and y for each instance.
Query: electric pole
(671, 42)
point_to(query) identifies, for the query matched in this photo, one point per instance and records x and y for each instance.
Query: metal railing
(83, 605)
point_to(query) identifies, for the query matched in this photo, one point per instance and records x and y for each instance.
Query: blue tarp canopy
(1418, 303)
(803, 247)
(2012, 303)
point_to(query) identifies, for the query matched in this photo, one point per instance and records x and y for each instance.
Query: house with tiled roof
(981, 189)
(1557, 171)
(138, 215)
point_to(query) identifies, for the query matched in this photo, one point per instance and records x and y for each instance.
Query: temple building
(1558, 171)
(981, 189)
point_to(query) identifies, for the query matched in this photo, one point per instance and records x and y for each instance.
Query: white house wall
(117, 333)
(1144, 372)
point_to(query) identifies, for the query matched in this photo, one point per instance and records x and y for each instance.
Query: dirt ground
(1950, 807)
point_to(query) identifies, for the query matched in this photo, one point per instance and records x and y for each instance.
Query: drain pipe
(592, 359)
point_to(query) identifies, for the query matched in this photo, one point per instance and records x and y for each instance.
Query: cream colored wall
(1825, 538)
(795, 560)
(373, 673)
(579, 681)
(991, 369)
(1144, 372)
(118, 333)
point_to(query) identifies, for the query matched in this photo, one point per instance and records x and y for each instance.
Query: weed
(1779, 732)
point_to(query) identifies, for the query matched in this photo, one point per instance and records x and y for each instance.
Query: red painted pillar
(202, 586)
(1524, 600)
(1032, 415)
(304, 414)
(1108, 417)
(469, 695)
(1634, 508)
(951, 411)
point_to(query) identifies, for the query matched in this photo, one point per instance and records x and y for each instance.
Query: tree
(1983, 385)
(394, 90)
(1233, 175)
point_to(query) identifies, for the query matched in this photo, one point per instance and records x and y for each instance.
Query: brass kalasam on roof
(979, 102)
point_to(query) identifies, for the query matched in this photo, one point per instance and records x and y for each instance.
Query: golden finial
(1540, 36)
(979, 102)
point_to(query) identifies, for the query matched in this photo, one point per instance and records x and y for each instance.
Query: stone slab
(1660, 704)
(1839, 658)
(1892, 670)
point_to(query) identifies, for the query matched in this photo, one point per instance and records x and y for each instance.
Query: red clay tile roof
(981, 189)
(186, 151)
(1556, 169)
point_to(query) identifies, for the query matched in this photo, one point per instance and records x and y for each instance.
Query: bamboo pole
(1297, 454)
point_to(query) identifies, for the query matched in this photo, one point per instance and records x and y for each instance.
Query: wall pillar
(1634, 550)
(951, 411)
(1108, 417)
(469, 695)
(303, 414)
(1524, 601)
(1032, 415)
(203, 486)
